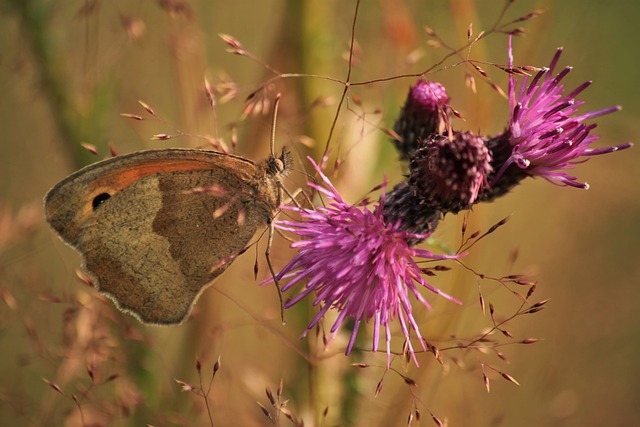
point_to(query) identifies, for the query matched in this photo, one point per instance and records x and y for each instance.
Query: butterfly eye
(278, 164)
(100, 199)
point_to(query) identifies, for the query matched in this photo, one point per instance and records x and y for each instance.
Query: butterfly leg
(267, 254)
(292, 196)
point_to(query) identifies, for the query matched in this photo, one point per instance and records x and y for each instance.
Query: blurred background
(69, 69)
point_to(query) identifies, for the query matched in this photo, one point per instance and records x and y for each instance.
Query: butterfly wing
(149, 235)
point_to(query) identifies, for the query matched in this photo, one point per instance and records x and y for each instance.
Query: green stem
(35, 16)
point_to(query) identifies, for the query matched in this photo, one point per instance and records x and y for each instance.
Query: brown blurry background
(67, 71)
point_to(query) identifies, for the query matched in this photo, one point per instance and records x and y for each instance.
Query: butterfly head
(280, 166)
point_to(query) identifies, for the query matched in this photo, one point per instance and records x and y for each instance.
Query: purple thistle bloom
(357, 263)
(426, 111)
(546, 134)
(448, 172)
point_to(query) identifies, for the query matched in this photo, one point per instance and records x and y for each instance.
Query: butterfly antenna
(272, 140)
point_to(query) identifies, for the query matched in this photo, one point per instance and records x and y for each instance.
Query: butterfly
(155, 227)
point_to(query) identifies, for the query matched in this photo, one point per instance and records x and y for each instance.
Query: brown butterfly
(156, 227)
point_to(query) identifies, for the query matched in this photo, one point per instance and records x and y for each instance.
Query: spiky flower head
(411, 213)
(426, 111)
(355, 262)
(448, 171)
(546, 136)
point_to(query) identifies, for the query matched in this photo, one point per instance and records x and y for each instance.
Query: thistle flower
(425, 112)
(448, 172)
(358, 264)
(545, 136)
(410, 213)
